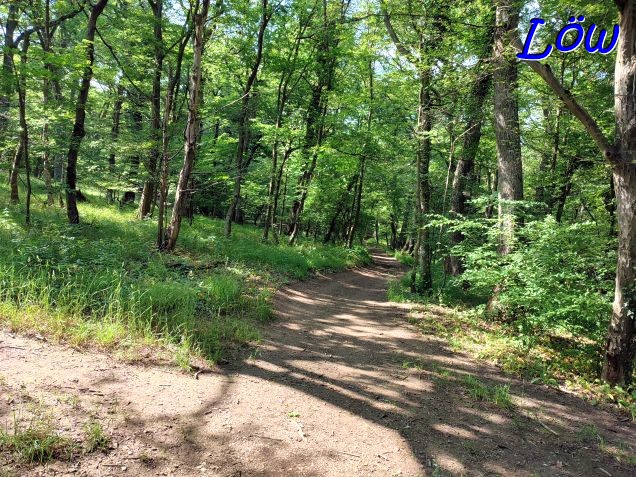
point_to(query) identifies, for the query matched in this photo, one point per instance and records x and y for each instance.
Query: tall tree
(148, 192)
(80, 114)
(506, 112)
(242, 162)
(463, 178)
(326, 57)
(620, 348)
(192, 128)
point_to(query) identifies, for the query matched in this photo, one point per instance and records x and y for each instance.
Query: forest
(170, 164)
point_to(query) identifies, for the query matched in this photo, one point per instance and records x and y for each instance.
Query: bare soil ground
(325, 394)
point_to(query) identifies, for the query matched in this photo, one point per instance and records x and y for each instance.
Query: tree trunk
(244, 133)
(168, 109)
(565, 188)
(340, 207)
(281, 103)
(317, 110)
(463, 177)
(7, 82)
(80, 115)
(620, 349)
(192, 128)
(507, 120)
(114, 134)
(24, 127)
(423, 253)
(149, 189)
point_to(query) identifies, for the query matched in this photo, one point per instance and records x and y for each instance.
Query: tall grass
(103, 283)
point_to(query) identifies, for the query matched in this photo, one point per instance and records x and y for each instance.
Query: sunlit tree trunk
(620, 348)
(168, 119)
(192, 128)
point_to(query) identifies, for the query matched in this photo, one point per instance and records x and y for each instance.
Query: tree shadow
(355, 390)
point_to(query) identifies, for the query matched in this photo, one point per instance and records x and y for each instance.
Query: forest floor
(340, 385)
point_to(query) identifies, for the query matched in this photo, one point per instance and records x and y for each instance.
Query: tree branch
(591, 126)
(401, 47)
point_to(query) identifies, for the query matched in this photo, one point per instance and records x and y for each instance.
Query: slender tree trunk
(340, 207)
(114, 134)
(276, 192)
(168, 119)
(244, 133)
(80, 115)
(148, 192)
(363, 161)
(463, 178)
(192, 128)
(317, 110)
(507, 120)
(565, 188)
(7, 82)
(24, 127)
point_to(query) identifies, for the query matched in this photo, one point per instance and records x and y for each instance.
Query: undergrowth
(552, 356)
(102, 283)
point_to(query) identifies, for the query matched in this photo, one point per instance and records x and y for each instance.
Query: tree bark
(463, 177)
(7, 83)
(149, 189)
(114, 134)
(24, 127)
(363, 162)
(506, 112)
(192, 128)
(80, 115)
(423, 252)
(281, 103)
(316, 112)
(620, 349)
(168, 119)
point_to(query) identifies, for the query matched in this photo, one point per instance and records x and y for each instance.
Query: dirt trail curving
(326, 394)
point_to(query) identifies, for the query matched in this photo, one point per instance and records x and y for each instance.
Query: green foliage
(558, 278)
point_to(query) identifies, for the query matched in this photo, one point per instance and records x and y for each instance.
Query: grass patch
(103, 284)
(95, 438)
(556, 359)
(36, 442)
(498, 395)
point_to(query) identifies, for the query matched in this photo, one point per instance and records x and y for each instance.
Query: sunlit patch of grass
(36, 442)
(404, 258)
(557, 359)
(498, 395)
(95, 437)
(103, 284)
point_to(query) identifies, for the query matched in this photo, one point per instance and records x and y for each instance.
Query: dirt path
(325, 395)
